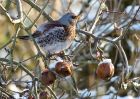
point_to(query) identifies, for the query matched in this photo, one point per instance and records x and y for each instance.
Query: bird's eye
(73, 17)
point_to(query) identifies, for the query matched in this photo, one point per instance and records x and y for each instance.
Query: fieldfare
(56, 36)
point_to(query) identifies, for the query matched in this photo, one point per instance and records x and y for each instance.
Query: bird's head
(69, 19)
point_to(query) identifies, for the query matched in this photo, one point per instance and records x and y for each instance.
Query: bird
(55, 36)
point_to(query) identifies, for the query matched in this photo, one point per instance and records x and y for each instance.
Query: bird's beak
(78, 16)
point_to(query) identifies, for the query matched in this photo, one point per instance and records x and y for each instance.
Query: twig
(69, 5)
(28, 12)
(123, 54)
(23, 67)
(96, 17)
(54, 95)
(35, 85)
(119, 47)
(95, 46)
(6, 93)
(10, 41)
(13, 45)
(19, 9)
(32, 4)
(128, 25)
(39, 15)
(26, 16)
(34, 56)
(38, 49)
(93, 36)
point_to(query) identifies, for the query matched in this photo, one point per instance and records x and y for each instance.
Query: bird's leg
(41, 54)
(48, 55)
(61, 54)
(64, 56)
(47, 59)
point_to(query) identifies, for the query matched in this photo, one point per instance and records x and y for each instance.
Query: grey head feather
(68, 19)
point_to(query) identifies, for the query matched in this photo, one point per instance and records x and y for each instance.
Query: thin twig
(93, 36)
(38, 15)
(32, 4)
(35, 86)
(10, 41)
(128, 25)
(23, 67)
(19, 12)
(97, 17)
(54, 95)
(7, 94)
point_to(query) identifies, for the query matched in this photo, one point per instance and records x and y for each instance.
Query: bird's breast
(57, 47)
(71, 32)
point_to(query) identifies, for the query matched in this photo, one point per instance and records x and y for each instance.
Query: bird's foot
(64, 56)
(61, 54)
(48, 56)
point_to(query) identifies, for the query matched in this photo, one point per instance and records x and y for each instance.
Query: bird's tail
(23, 37)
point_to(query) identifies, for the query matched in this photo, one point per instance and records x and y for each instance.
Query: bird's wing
(52, 35)
(49, 31)
(47, 28)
